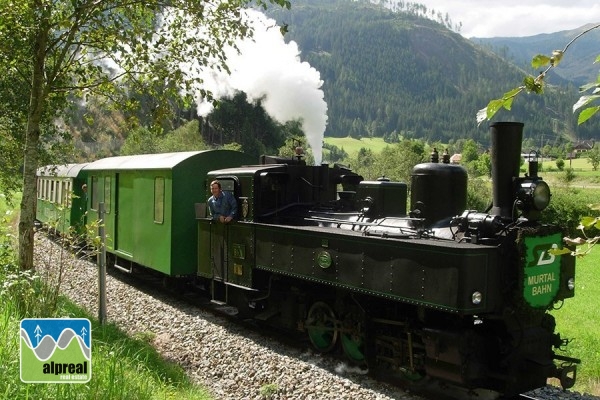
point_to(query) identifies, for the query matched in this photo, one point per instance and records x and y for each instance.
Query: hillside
(577, 66)
(390, 72)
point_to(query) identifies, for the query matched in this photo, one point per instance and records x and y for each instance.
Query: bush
(30, 296)
(568, 175)
(567, 207)
(479, 194)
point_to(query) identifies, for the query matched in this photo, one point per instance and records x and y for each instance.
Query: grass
(578, 320)
(123, 368)
(352, 146)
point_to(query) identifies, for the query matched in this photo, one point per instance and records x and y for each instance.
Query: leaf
(482, 115)
(584, 100)
(588, 222)
(513, 92)
(507, 103)
(587, 87)
(540, 60)
(587, 114)
(557, 56)
(533, 85)
(559, 252)
(574, 242)
(493, 107)
(594, 206)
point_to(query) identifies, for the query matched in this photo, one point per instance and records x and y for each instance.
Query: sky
(492, 18)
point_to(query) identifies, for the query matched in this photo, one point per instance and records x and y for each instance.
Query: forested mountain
(391, 73)
(577, 65)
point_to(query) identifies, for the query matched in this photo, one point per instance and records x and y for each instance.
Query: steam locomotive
(437, 290)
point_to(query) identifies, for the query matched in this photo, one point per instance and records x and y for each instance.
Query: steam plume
(267, 68)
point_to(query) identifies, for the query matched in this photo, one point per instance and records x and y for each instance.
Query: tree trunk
(32, 139)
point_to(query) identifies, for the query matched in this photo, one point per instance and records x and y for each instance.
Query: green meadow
(577, 321)
(352, 146)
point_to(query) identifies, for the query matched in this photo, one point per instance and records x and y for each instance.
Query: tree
(397, 161)
(62, 49)
(594, 156)
(470, 152)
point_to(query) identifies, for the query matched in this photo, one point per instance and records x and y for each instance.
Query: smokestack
(506, 161)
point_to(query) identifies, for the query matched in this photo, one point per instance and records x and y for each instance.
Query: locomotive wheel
(322, 327)
(352, 346)
(352, 338)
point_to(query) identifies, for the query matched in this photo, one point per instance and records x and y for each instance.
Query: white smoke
(267, 68)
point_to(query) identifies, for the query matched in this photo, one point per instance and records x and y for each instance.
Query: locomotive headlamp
(534, 195)
(571, 283)
(476, 298)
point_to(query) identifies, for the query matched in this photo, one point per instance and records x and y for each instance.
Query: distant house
(583, 146)
(532, 156)
(455, 158)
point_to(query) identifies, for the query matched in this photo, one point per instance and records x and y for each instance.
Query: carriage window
(59, 192)
(159, 200)
(94, 193)
(107, 194)
(68, 193)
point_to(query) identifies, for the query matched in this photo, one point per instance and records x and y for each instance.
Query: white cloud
(485, 18)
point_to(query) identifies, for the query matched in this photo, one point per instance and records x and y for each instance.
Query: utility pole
(101, 267)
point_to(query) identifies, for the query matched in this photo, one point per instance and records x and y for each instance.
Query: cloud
(485, 18)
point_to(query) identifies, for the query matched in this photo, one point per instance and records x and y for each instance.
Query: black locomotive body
(430, 290)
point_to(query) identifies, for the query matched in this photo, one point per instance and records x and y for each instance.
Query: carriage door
(124, 214)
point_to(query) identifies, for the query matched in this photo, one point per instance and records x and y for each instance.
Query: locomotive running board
(241, 287)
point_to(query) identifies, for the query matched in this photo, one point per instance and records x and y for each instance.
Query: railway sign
(542, 270)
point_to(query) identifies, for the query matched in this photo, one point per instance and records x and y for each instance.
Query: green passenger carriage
(149, 204)
(61, 200)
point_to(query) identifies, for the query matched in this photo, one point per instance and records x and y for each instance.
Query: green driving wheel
(321, 326)
(352, 336)
(353, 347)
